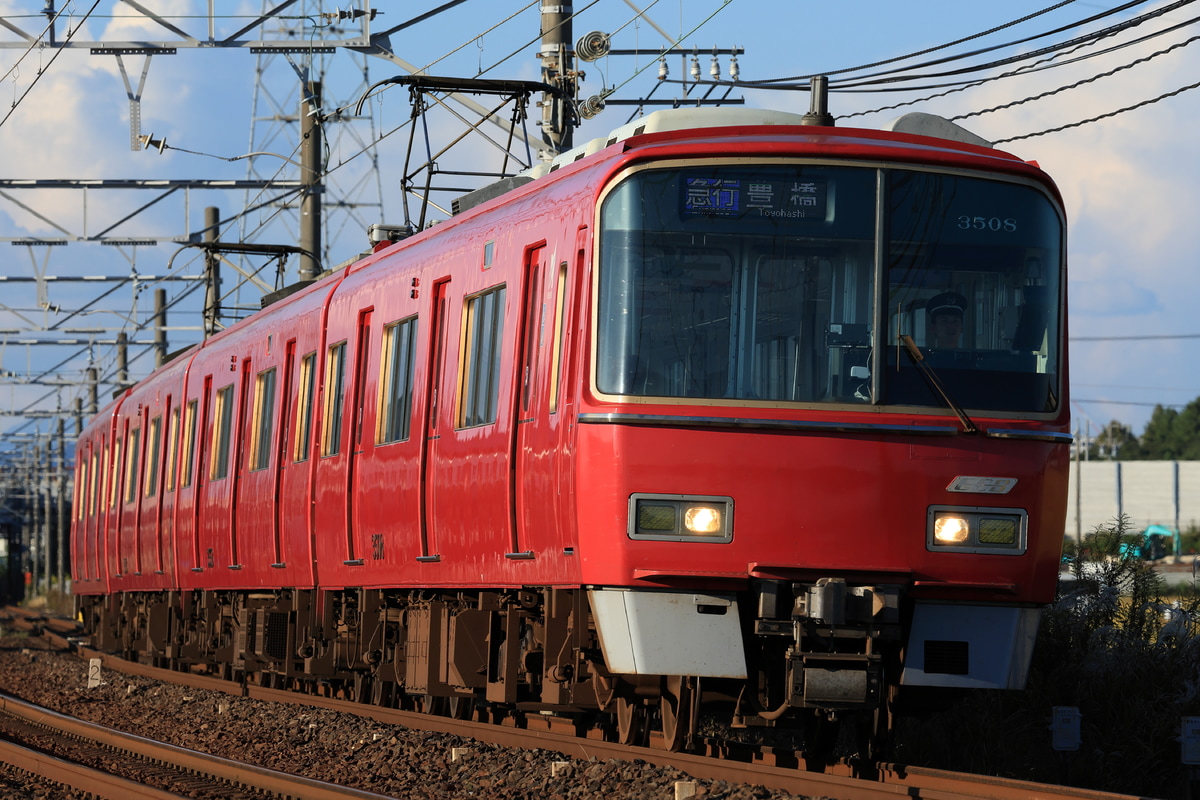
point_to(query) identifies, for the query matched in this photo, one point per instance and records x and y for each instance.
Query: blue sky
(1128, 180)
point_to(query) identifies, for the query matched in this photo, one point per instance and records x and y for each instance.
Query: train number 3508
(969, 223)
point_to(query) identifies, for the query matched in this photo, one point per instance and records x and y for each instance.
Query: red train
(722, 408)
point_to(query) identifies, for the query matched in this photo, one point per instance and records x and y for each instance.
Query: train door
(334, 514)
(199, 493)
(359, 445)
(296, 507)
(287, 414)
(531, 481)
(166, 503)
(236, 470)
(430, 424)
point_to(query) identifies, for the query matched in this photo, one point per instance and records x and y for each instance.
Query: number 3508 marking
(996, 224)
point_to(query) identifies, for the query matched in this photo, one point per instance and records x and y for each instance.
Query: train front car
(824, 453)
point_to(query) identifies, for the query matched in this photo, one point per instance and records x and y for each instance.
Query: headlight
(999, 531)
(680, 518)
(949, 529)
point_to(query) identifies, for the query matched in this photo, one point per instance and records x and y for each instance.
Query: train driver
(946, 318)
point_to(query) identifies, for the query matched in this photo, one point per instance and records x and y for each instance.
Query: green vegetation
(1105, 648)
(1170, 435)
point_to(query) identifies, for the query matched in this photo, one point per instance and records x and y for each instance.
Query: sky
(1128, 180)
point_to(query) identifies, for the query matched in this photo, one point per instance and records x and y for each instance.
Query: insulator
(735, 72)
(714, 69)
(591, 107)
(593, 45)
(695, 69)
(663, 70)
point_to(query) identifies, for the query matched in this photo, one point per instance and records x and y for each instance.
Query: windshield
(758, 282)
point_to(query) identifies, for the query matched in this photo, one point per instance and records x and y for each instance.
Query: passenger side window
(331, 417)
(153, 443)
(263, 420)
(132, 450)
(304, 407)
(222, 430)
(189, 441)
(396, 382)
(480, 379)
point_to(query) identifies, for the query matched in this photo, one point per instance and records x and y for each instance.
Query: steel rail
(213, 767)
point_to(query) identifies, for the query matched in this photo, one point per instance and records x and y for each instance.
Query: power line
(946, 45)
(1052, 50)
(53, 58)
(1110, 114)
(1077, 84)
(1147, 337)
(1129, 403)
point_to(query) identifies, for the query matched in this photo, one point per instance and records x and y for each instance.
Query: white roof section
(920, 124)
(679, 119)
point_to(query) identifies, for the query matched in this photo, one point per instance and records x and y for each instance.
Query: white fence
(1148, 492)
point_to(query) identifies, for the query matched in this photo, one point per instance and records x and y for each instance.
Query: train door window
(304, 407)
(189, 442)
(91, 496)
(263, 420)
(114, 471)
(172, 448)
(81, 479)
(480, 379)
(133, 439)
(560, 304)
(153, 455)
(223, 429)
(396, 382)
(331, 413)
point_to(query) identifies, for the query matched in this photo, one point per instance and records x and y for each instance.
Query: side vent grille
(947, 658)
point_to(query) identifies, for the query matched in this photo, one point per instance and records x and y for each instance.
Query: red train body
(672, 410)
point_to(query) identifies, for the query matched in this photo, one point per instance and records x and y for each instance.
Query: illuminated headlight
(950, 529)
(1000, 531)
(681, 518)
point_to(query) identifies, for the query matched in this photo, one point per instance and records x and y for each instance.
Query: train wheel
(876, 733)
(460, 707)
(427, 704)
(676, 710)
(631, 721)
(820, 739)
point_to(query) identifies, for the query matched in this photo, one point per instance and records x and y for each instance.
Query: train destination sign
(800, 198)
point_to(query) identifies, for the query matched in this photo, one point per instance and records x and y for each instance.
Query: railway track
(719, 761)
(112, 765)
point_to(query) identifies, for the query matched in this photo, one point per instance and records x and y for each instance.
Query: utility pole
(160, 327)
(310, 179)
(63, 484)
(212, 272)
(122, 360)
(558, 70)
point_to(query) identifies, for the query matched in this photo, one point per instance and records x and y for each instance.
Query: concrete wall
(1148, 492)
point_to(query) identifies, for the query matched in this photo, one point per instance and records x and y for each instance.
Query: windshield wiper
(918, 359)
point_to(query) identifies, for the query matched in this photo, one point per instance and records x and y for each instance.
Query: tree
(1158, 441)
(1115, 441)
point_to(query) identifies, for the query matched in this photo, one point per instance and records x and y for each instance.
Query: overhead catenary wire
(57, 52)
(883, 82)
(1108, 115)
(1045, 64)
(898, 59)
